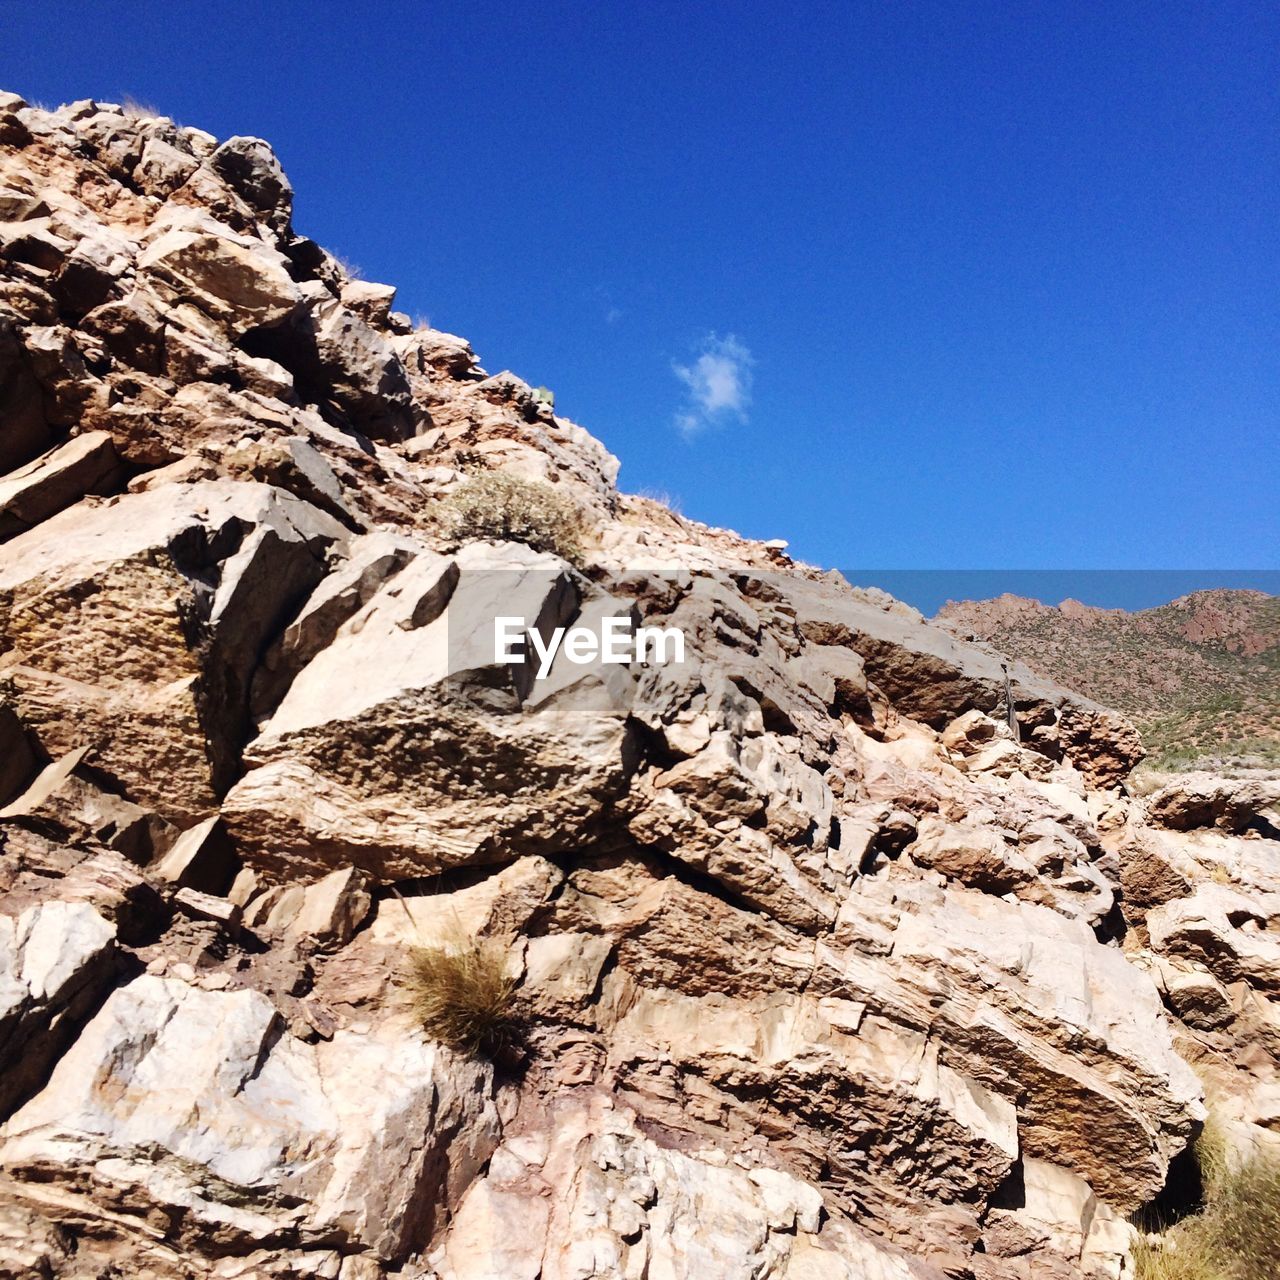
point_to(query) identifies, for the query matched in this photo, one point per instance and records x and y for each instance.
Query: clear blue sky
(913, 285)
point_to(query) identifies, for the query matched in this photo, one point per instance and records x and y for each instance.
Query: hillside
(1200, 677)
(336, 944)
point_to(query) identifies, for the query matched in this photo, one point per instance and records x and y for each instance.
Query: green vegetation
(495, 505)
(1235, 1235)
(1222, 728)
(1199, 677)
(463, 996)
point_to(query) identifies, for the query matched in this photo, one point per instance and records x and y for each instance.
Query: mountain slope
(1199, 676)
(808, 965)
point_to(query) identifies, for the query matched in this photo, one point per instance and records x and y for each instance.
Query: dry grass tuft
(495, 505)
(1236, 1236)
(463, 996)
(133, 109)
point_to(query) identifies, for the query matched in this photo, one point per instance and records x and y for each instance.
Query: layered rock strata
(841, 947)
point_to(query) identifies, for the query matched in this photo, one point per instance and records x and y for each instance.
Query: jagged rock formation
(841, 947)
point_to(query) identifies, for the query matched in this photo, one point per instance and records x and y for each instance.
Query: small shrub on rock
(503, 507)
(463, 996)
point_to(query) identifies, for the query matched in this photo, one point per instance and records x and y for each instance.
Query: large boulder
(85, 464)
(237, 281)
(405, 747)
(206, 574)
(196, 1105)
(1236, 805)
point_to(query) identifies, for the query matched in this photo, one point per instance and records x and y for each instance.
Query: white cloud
(717, 383)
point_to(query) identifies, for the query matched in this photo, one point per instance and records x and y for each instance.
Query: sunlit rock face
(837, 946)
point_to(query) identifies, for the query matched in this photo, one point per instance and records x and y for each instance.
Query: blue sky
(913, 285)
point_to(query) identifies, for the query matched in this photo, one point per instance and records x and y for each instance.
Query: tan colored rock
(248, 1134)
(205, 573)
(70, 807)
(1230, 804)
(1225, 931)
(494, 770)
(977, 856)
(86, 464)
(500, 906)
(200, 858)
(632, 1209)
(931, 674)
(1061, 1220)
(238, 282)
(823, 965)
(327, 913)
(56, 959)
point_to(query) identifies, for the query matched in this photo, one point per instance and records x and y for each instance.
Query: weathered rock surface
(55, 962)
(1237, 805)
(840, 947)
(178, 1097)
(84, 465)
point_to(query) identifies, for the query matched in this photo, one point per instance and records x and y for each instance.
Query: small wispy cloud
(717, 384)
(602, 297)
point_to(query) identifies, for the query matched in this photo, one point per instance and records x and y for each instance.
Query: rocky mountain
(1200, 676)
(837, 950)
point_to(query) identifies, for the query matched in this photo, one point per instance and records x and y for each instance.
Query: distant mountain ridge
(1200, 676)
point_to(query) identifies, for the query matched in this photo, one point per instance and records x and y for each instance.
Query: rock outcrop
(839, 946)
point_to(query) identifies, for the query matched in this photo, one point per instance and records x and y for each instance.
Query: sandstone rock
(116, 889)
(328, 912)
(364, 373)
(1198, 999)
(71, 808)
(214, 569)
(421, 653)
(371, 302)
(499, 906)
(93, 271)
(635, 1209)
(1224, 930)
(932, 675)
(976, 856)
(371, 560)
(562, 972)
(1062, 1208)
(86, 464)
(162, 168)
(1022, 985)
(839, 950)
(237, 282)
(56, 960)
(1234, 805)
(207, 906)
(250, 168)
(315, 1127)
(201, 858)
